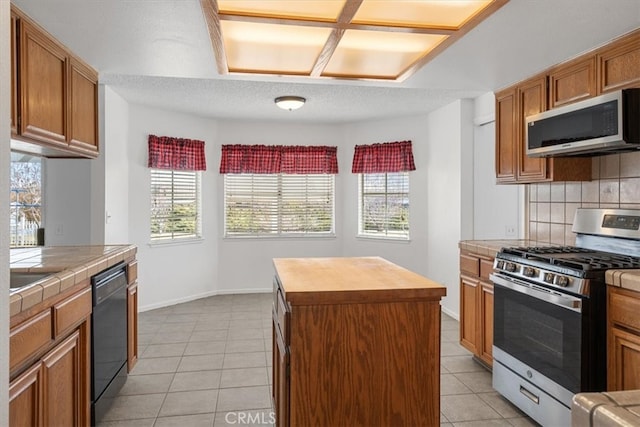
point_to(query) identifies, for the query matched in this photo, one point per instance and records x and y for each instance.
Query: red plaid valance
(166, 152)
(383, 158)
(288, 159)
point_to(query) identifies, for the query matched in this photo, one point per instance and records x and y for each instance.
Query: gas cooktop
(575, 258)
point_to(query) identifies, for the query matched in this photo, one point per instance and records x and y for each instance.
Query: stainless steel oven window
(542, 335)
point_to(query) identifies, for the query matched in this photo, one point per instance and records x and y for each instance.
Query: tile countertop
(68, 266)
(626, 279)
(492, 247)
(613, 408)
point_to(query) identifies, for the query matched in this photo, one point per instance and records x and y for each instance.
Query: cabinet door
(25, 398)
(506, 135)
(132, 326)
(63, 378)
(14, 74)
(532, 98)
(572, 82)
(624, 360)
(83, 123)
(43, 98)
(469, 313)
(486, 322)
(619, 64)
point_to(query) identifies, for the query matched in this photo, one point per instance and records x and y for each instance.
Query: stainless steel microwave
(601, 125)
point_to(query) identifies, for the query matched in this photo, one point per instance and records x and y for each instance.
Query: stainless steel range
(550, 313)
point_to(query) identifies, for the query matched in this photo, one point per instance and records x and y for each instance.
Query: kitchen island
(356, 341)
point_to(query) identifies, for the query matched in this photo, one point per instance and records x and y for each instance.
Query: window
(384, 205)
(175, 205)
(279, 205)
(25, 217)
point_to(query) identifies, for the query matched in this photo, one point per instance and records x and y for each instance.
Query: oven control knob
(562, 281)
(529, 272)
(511, 267)
(548, 277)
(500, 265)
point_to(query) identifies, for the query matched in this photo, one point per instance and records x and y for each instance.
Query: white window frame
(271, 196)
(194, 195)
(386, 232)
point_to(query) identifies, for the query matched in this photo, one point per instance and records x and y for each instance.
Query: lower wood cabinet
(55, 390)
(623, 336)
(476, 305)
(50, 384)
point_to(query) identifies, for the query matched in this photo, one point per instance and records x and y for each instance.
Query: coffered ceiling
(353, 39)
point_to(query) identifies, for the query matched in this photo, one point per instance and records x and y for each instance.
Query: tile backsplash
(615, 184)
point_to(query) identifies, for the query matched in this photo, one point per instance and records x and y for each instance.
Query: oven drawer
(530, 399)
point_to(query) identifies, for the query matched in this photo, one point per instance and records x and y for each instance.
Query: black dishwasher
(108, 338)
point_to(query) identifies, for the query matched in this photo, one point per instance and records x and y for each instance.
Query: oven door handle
(564, 301)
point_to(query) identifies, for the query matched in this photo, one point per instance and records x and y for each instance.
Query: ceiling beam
(210, 10)
(346, 15)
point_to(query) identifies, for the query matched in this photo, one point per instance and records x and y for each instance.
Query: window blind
(384, 205)
(269, 205)
(175, 204)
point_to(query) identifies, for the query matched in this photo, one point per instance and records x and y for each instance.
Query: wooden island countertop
(346, 280)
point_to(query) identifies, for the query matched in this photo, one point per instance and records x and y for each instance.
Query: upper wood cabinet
(506, 134)
(55, 95)
(43, 100)
(83, 105)
(619, 64)
(513, 165)
(573, 81)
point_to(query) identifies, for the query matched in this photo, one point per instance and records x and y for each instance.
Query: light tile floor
(208, 363)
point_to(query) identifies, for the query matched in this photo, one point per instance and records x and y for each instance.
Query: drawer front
(469, 264)
(486, 268)
(624, 309)
(71, 311)
(29, 337)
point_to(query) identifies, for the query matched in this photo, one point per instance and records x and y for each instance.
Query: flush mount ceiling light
(290, 102)
(351, 39)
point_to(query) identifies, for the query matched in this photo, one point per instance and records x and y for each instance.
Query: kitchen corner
(62, 370)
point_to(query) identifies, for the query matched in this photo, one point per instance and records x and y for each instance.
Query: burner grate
(575, 258)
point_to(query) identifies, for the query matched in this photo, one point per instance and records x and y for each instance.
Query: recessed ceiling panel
(327, 10)
(377, 54)
(367, 39)
(417, 13)
(271, 48)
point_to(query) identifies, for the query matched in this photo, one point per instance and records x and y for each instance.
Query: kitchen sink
(19, 280)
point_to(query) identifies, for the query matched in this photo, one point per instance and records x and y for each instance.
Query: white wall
(5, 160)
(115, 203)
(449, 145)
(246, 264)
(169, 274)
(412, 254)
